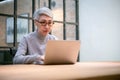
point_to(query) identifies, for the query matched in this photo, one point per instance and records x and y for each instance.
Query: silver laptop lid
(61, 51)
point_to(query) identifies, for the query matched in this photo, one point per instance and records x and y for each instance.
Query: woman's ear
(35, 22)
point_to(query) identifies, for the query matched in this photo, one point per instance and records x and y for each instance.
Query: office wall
(100, 30)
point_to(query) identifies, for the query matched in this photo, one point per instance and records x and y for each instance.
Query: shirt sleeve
(21, 57)
(55, 38)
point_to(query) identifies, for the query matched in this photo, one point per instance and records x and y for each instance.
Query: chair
(7, 54)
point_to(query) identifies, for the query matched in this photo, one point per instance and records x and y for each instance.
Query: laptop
(62, 52)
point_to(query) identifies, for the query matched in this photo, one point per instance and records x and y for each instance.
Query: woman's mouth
(45, 31)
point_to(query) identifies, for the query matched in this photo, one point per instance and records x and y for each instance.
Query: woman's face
(44, 24)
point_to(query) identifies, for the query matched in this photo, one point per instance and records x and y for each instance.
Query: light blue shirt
(31, 46)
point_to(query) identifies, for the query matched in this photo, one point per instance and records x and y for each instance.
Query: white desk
(78, 71)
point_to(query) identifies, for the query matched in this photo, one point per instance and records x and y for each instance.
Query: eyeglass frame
(44, 23)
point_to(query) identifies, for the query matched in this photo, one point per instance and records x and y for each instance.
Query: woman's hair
(43, 10)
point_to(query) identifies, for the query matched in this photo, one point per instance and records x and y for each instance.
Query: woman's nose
(46, 26)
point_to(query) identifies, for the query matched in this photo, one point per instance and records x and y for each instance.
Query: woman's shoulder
(30, 35)
(52, 37)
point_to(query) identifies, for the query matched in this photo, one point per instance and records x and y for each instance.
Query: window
(65, 12)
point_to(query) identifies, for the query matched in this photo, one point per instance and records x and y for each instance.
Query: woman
(31, 49)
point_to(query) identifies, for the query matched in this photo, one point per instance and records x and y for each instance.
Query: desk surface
(78, 71)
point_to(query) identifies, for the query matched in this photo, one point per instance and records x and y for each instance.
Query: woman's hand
(39, 60)
(42, 57)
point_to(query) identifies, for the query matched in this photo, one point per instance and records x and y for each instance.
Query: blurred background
(96, 23)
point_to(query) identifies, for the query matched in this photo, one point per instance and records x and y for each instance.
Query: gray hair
(43, 10)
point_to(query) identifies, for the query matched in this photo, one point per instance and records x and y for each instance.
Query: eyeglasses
(44, 23)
